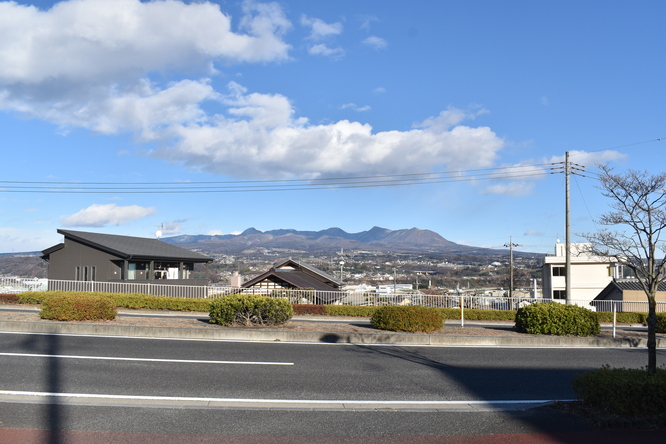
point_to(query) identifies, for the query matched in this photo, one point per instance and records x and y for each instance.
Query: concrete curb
(237, 334)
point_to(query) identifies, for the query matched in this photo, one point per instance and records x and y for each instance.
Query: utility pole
(511, 245)
(567, 223)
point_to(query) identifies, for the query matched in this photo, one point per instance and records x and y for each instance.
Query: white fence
(19, 285)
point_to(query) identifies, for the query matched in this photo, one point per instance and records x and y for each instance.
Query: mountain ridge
(334, 238)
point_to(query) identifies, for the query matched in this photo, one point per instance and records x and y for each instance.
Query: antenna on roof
(158, 233)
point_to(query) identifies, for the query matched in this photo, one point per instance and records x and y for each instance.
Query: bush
(661, 323)
(411, 318)
(622, 391)
(349, 310)
(78, 307)
(553, 318)
(248, 309)
(623, 317)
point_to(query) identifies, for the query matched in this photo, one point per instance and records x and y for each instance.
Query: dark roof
(624, 285)
(311, 269)
(129, 247)
(302, 276)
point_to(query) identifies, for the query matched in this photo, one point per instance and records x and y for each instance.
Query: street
(132, 368)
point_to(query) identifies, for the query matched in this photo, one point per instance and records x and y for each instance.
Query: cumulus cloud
(102, 215)
(375, 42)
(263, 139)
(86, 62)
(533, 233)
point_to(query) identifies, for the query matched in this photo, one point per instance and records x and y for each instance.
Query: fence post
(614, 317)
(462, 312)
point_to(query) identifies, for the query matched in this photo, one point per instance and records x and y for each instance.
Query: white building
(589, 274)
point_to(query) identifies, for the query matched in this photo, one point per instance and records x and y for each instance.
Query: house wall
(63, 263)
(589, 275)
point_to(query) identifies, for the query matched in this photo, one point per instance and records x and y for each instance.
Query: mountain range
(332, 239)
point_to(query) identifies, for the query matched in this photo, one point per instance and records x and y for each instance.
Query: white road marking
(303, 402)
(111, 358)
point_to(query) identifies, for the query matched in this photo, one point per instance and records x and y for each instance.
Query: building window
(77, 273)
(559, 294)
(559, 271)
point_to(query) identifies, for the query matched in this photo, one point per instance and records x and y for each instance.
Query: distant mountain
(375, 239)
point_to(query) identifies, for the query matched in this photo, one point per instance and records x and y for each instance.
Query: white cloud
(102, 215)
(533, 233)
(323, 50)
(356, 107)
(320, 29)
(265, 140)
(379, 90)
(589, 159)
(215, 233)
(375, 42)
(85, 63)
(321, 33)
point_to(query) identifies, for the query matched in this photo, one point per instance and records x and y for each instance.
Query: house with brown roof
(91, 257)
(629, 296)
(295, 275)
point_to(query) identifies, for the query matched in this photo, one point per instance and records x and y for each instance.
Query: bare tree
(638, 216)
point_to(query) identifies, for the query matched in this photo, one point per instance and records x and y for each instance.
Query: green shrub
(622, 317)
(247, 309)
(661, 323)
(623, 391)
(410, 318)
(78, 307)
(147, 301)
(35, 297)
(553, 318)
(349, 310)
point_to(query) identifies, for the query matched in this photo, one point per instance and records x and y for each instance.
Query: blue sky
(162, 96)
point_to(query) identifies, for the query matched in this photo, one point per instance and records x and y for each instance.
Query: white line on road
(111, 358)
(277, 403)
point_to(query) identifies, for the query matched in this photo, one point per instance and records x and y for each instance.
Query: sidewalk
(309, 329)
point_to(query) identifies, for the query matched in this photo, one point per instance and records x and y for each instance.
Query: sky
(125, 117)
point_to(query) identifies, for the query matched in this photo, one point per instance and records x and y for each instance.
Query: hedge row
(78, 307)
(126, 300)
(622, 391)
(408, 318)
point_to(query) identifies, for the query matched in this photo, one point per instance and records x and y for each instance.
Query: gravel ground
(347, 325)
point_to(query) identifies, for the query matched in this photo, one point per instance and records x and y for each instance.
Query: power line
(498, 173)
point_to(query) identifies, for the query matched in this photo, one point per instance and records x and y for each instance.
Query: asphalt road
(132, 368)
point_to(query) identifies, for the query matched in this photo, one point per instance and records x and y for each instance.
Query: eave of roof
(130, 247)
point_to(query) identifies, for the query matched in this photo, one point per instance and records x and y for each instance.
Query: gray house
(96, 257)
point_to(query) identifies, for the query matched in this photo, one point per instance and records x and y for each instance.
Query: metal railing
(19, 285)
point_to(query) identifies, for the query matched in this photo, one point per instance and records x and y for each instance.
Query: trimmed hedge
(248, 309)
(125, 300)
(661, 323)
(409, 318)
(349, 310)
(553, 318)
(78, 307)
(622, 391)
